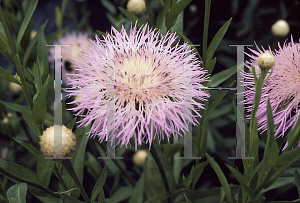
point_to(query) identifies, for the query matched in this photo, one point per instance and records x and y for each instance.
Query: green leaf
(187, 199)
(33, 151)
(162, 14)
(33, 43)
(297, 180)
(101, 33)
(37, 77)
(109, 6)
(68, 199)
(26, 22)
(132, 17)
(19, 173)
(239, 177)
(171, 149)
(217, 40)
(221, 177)
(42, 54)
(221, 77)
(71, 124)
(17, 193)
(121, 194)
(165, 195)
(138, 190)
(44, 169)
(39, 107)
(271, 150)
(294, 136)
(26, 113)
(99, 184)
(7, 76)
(149, 13)
(175, 10)
(205, 32)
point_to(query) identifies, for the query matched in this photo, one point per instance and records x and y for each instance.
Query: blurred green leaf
(26, 22)
(297, 180)
(162, 14)
(39, 107)
(42, 54)
(7, 76)
(165, 195)
(239, 177)
(68, 199)
(293, 137)
(33, 43)
(101, 33)
(17, 193)
(175, 10)
(216, 41)
(187, 199)
(132, 17)
(19, 173)
(109, 6)
(26, 113)
(29, 148)
(99, 185)
(44, 169)
(138, 190)
(121, 194)
(37, 77)
(71, 124)
(221, 77)
(149, 13)
(222, 178)
(171, 149)
(194, 175)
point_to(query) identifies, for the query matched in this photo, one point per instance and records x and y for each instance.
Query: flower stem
(70, 169)
(161, 169)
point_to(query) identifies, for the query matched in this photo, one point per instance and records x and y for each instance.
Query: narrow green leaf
(39, 107)
(109, 6)
(7, 32)
(42, 54)
(217, 40)
(187, 199)
(67, 199)
(132, 17)
(221, 177)
(165, 195)
(99, 184)
(17, 193)
(37, 77)
(221, 77)
(271, 150)
(7, 76)
(19, 173)
(175, 10)
(121, 194)
(196, 173)
(149, 13)
(26, 22)
(33, 43)
(138, 191)
(44, 169)
(71, 124)
(171, 149)
(29, 148)
(297, 180)
(162, 14)
(205, 32)
(239, 177)
(26, 113)
(294, 136)
(101, 33)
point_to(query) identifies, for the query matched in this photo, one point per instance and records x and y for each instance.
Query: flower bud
(14, 88)
(281, 28)
(68, 142)
(266, 61)
(32, 34)
(137, 7)
(139, 157)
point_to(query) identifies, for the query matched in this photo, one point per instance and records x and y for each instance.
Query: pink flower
(149, 85)
(79, 43)
(283, 88)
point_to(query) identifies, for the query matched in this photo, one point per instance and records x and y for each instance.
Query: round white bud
(68, 142)
(139, 157)
(281, 28)
(137, 7)
(14, 88)
(265, 61)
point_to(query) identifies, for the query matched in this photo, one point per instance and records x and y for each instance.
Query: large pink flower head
(282, 86)
(149, 85)
(79, 43)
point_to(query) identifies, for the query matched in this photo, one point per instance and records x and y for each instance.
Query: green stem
(161, 169)
(70, 169)
(205, 30)
(61, 180)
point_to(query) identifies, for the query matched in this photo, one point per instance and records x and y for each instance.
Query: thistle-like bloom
(283, 88)
(148, 94)
(79, 43)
